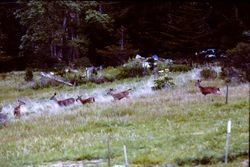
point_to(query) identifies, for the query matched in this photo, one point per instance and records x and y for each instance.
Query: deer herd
(116, 96)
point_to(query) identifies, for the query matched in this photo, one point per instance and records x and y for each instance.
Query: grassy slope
(168, 127)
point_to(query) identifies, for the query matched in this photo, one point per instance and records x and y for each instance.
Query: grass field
(178, 126)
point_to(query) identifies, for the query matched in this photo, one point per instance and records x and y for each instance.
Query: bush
(208, 73)
(232, 74)
(163, 65)
(239, 56)
(75, 79)
(46, 84)
(130, 71)
(3, 76)
(163, 80)
(28, 74)
(179, 68)
(110, 73)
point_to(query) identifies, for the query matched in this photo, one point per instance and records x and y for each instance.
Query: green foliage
(63, 36)
(161, 65)
(110, 73)
(163, 80)
(28, 74)
(195, 129)
(179, 68)
(208, 73)
(102, 20)
(76, 79)
(47, 84)
(130, 71)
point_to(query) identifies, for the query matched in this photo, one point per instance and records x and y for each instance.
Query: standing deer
(84, 101)
(119, 95)
(64, 102)
(207, 90)
(17, 109)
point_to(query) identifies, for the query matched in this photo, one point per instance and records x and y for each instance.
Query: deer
(119, 95)
(207, 90)
(87, 100)
(17, 109)
(64, 102)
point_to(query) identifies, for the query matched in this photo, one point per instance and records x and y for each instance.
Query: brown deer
(17, 109)
(119, 95)
(207, 90)
(64, 102)
(84, 101)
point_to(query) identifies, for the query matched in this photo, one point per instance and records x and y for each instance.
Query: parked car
(211, 53)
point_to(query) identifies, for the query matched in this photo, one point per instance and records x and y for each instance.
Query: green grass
(179, 126)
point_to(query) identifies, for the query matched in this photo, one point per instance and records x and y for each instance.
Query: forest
(47, 34)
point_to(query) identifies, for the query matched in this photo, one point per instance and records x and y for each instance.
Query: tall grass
(179, 127)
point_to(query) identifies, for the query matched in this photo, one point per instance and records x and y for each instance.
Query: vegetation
(28, 74)
(165, 121)
(179, 68)
(110, 33)
(156, 129)
(163, 80)
(208, 73)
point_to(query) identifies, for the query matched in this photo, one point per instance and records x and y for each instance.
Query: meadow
(169, 127)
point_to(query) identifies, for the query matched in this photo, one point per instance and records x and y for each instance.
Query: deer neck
(54, 99)
(17, 107)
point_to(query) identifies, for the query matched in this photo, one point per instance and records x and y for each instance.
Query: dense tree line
(44, 34)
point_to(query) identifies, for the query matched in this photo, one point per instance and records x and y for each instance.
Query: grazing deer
(84, 101)
(207, 90)
(120, 95)
(17, 109)
(64, 102)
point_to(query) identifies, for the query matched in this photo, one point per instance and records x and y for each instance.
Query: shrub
(3, 76)
(45, 84)
(163, 80)
(110, 73)
(231, 74)
(130, 71)
(76, 79)
(179, 68)
(28, 74)
(208, 73)
(163, 65)
(239, 56)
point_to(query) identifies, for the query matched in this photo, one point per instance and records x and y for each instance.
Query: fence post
(227, 140)
(125, 156)
(109, 152)
(227, 94)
